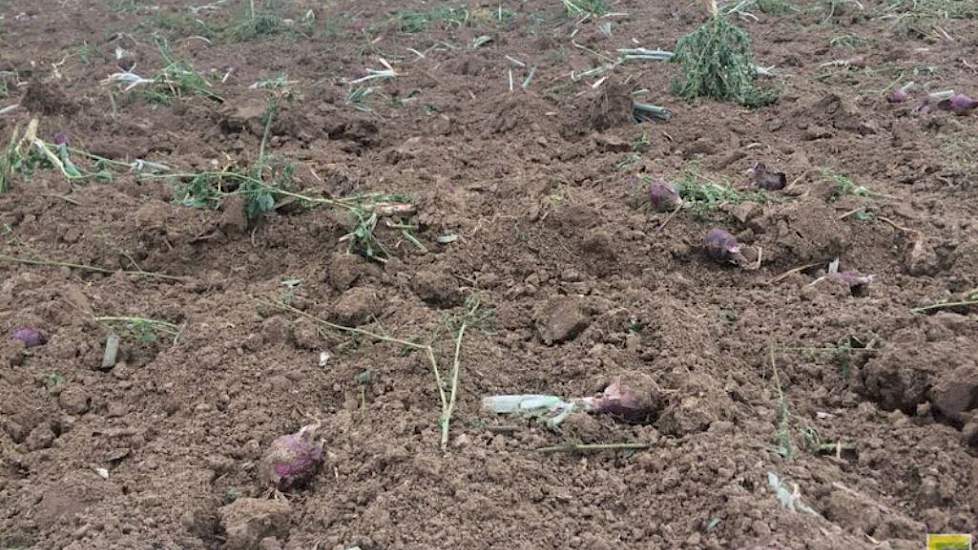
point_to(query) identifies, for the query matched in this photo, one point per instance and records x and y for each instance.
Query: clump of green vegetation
(175, 80)
(923, 18)
(143, 330)
(575, 8)
(848, 41)
(639, 146)
(769, 7)
(26, 153)
(260, 185)
(179, 24)
(704, 196)
(717, 62)
(418, 21)
(269, 181)
(54, 382)
(844, 185)
(257, 22)
(775, 7)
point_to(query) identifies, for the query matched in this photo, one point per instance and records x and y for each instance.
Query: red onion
(31, 337)
(292, 460)
(722, 246)
(958, 104)
(631, 402)
(857, 282)
(770, 181)
(664, 197)
(898, 95)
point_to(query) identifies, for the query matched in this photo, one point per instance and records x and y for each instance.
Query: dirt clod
(247, 521)
(357, 306)
(75, 400)
(609, 107)
(47, 98)
(345, 270)
(437, 288)
(956, 391)
(920, 258)
(40, 437)
(562, 319)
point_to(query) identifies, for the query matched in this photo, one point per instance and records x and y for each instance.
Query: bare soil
(868, 411)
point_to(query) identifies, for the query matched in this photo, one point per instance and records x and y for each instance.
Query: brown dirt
(537, 186)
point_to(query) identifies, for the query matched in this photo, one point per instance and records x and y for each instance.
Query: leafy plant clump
(418, 21)
(176, 79)
(717, 62)
(703, 196)
(257, 21)
(595, 8)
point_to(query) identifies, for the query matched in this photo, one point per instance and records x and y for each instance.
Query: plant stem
(248, 179)
(456, 367)
(269, 117)
(251, 4)
(592, 447)
(429, 351)
(944, 305)
(92, 268)
(170, 327)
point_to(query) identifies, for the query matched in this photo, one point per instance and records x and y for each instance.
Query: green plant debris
(54, 381)
(258, 21)
(419, 21)
(775, 7)
(788, 496)
(845, 186)
(585, 447)
(842, 353)
(143, 330)
(473, 316)
(716, 62)
(26, 153)
(176, 25)
(576, 8)
(837, 8)
(176, 79)
(927, 18)
(704, 196)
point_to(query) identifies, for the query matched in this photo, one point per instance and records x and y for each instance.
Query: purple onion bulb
(664, 197)
(31, 337)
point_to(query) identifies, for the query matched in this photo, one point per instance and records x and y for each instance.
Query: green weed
(576, 8)
(180, 24)
(717, 63)
(845, 186)
(639, 146)
(782, 434)
(704, 196)
(53, 381)
(143, 330)
(177, 79)
(775, 7)
(25, 154)
(923, 18)
(419, 21)
(848, 41)
(836, 8)
(258, 21)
